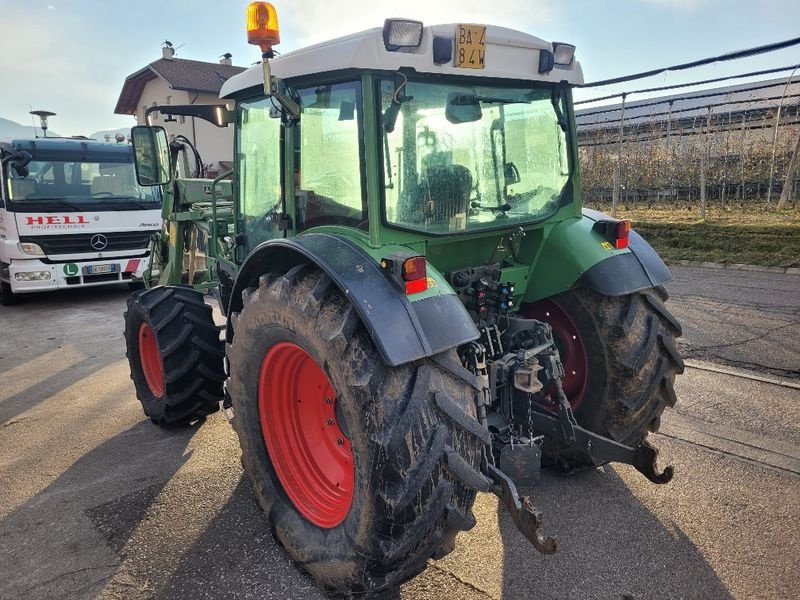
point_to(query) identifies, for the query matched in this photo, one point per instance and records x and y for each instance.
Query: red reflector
(132, 265)
(416, 286)
(621, 232)
(414, 268)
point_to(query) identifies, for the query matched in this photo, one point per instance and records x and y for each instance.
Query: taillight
(415, 275)
(622, 232)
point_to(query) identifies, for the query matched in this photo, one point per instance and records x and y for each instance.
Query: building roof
(509, 54)
(179, 74)
(733, 99)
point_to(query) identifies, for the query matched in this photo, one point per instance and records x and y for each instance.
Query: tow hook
(644, 461)
(525, 515)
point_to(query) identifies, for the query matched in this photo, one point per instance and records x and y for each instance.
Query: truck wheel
(620, 361)
(7, 297)
(365, 471)
(175, 354)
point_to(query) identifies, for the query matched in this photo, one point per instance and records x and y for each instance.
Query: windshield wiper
(472, 99)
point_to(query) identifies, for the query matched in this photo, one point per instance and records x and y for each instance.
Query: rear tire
(175, 354)
(411, 431)
(628, 345)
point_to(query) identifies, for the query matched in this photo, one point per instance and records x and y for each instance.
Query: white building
(172, 80)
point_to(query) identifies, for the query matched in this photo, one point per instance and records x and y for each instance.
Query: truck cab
(71, 215)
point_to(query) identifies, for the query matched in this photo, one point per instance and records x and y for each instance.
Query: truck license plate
(100, 269)
(470, 46)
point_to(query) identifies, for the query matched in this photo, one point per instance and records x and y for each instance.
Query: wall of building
(214, 144)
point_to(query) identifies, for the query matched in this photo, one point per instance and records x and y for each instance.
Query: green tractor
(417, 308)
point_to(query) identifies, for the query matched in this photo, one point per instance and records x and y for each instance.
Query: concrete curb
(736, 267)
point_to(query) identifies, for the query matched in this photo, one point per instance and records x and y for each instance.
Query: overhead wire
(698, 63)
(689, 98)
(690, 84)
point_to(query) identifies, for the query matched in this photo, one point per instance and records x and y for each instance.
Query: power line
(684, 85)
(674, 112)
(698, 63)
(688, 98)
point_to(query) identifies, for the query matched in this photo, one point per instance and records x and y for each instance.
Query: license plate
(100, 269)
(470, 46)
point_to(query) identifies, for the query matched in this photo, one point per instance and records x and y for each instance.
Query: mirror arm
(275, 88)
(216, 114)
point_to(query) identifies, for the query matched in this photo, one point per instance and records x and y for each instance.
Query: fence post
(775, 139)
(788, 185)
(743, 156)
(703, 186)
(704, 155)
(615, 193)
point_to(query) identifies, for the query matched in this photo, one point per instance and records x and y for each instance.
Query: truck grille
(81, 243)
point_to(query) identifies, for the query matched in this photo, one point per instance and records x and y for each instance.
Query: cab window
(259, 155)
(329, 156)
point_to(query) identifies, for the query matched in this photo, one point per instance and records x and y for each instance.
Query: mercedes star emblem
(99, 241)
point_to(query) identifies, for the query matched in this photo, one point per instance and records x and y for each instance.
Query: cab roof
(510, 54)
(71, 148)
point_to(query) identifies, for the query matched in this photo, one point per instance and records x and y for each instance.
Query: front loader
(417, 307)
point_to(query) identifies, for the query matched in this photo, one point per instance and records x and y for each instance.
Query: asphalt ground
(97, 502)
(747, 319)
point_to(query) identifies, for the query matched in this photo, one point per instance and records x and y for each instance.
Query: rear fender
(577, 255)
(402, 330)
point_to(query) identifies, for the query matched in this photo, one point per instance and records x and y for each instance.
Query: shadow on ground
(55, 544)
(611, 546)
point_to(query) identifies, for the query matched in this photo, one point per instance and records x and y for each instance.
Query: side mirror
(151, 155)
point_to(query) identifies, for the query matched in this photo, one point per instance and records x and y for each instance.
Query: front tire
(175, 354)
(620, 361)
(404, 483)
(7, 297)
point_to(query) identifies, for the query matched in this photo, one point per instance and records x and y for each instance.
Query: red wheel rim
(150, 357)
(312, 457)
(570, 346)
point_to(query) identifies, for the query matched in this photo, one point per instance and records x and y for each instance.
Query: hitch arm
(525, 515)
(601, 449)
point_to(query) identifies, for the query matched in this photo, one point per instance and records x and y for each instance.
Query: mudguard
(403, 331)
(575, 254)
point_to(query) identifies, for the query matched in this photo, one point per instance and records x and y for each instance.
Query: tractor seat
(447, 190)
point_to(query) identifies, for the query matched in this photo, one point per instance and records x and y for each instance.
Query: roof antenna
(33, 122)
(42, 114)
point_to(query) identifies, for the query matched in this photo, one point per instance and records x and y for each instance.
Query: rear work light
(401, 33)
(563, 54)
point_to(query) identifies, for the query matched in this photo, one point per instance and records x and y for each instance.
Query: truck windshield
(78, 185)
(463, 158)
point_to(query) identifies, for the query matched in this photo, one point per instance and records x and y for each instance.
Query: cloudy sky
(72, 56)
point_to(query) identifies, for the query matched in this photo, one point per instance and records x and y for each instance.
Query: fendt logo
(53, 220)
